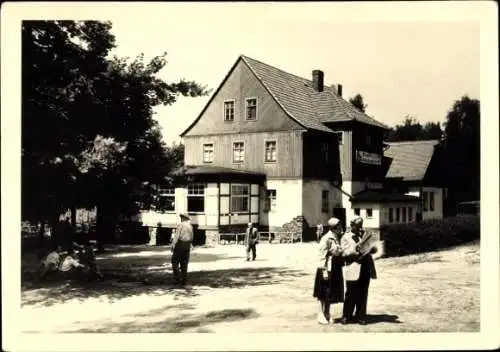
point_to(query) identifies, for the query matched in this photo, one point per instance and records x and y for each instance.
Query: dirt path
(430, 292)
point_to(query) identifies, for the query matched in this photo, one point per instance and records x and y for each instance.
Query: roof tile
(298, 98)
(410, 159)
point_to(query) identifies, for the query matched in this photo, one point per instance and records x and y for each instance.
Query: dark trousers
(180, 260)
(356, 297)
(253, 249)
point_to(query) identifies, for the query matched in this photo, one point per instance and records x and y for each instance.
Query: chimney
(318, 80)
(339, 90)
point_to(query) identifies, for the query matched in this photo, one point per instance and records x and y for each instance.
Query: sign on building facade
(368, 158)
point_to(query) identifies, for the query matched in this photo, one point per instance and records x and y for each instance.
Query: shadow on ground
(180, 323)
(120, 285)
(382, 318)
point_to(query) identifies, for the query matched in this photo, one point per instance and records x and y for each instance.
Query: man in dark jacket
(358, 271)
(251, 240)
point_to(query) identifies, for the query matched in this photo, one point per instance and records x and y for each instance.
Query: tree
(89, 137)
(462, 148)
(58, 57)
(432, 130)
(358, 102)
(412, 130)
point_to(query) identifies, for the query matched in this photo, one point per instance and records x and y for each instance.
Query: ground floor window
(398, 215)
(357, 211)
(369, 213)
(240, 198)
(165, 199)
(404, 214)
(196, 198)
(391, 215)
(410, 214)
(271, 199)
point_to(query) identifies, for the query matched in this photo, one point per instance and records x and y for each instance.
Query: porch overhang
(205, 173)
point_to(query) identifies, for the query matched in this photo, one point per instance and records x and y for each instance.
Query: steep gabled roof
(299, 99)
(410, 160)
(296, 96)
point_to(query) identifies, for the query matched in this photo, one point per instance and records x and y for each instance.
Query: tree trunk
(41, 239)
(73, 222)
(105, 227)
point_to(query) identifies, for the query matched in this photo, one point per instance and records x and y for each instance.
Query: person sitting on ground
(70, 262)
(87, 258)
(50, 263)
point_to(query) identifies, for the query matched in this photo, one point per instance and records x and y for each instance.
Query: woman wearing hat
(329, 281)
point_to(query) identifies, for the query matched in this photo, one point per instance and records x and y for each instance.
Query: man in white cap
(357, 272)
(251, 239)
(182, 239)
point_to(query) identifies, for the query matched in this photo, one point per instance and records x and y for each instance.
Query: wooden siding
(360, 171)
(288, 155)
(345, 149)
(354, 138)
(242, 84)
(315, 166)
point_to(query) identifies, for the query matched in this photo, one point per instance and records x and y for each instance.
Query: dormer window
(251, 109)
(229, 110)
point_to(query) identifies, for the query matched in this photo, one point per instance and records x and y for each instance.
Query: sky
(417, 67)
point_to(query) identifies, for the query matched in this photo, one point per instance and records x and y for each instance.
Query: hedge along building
(277, 150)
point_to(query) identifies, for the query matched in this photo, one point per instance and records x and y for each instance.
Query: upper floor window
(271, 199)
(165, 199)
(196, 198)
(270, 151)
(324, 151)
(410, 214)
(208, 153)
(404, 214)
(229, 110)
(324, 201)
(251, 109)
(340, 137)
(357, 211)
(238, 152)
(368, 140)
(398, 214)
(391, 215)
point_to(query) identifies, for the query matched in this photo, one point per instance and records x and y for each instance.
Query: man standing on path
(358, 271)
(251, 239)
(181, 248)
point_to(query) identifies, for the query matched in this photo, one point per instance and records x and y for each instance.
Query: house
(417, 168)
(278, 150)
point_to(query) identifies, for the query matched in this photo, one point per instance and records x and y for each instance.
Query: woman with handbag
(329, 281)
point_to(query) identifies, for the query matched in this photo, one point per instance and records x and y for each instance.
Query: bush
(429, 235)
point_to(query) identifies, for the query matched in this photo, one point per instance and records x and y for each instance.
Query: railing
(263, 237)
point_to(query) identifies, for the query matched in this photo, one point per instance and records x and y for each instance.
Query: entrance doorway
(340, 214)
